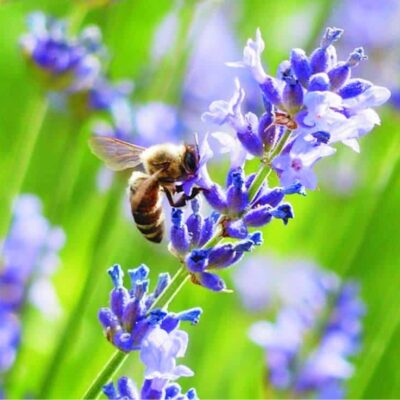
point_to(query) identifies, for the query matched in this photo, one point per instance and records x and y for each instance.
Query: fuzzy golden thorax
(167, 158)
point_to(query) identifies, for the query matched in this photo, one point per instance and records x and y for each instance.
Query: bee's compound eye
(190, 161)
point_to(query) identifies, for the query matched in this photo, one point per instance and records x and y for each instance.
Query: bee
(165, 167)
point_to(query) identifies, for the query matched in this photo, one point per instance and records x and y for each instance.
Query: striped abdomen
(146, 200)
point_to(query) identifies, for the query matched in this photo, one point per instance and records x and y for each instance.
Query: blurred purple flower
(29, 259)
(66, 62)
(309, 302)
(266, 282)
(30, 255)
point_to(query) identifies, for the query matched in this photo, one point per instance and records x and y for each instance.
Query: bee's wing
(117, 154)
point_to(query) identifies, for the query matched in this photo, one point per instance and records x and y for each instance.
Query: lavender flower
(129, 319)
(159, 352)
(330, 313)
(62, 62)
(314, 98)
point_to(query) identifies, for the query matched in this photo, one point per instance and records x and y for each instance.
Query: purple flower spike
(129, 319)
(314, 304)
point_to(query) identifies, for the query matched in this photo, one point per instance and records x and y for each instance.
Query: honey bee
(165, 166)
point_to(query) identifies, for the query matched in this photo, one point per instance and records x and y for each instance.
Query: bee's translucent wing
(117, 154)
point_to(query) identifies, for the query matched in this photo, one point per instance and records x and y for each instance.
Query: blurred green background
(354, 234)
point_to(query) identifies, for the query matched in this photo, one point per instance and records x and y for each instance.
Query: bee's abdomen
(146, 207)
(151, 224)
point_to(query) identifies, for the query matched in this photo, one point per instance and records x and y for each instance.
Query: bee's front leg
(183, 199)
(180, 202)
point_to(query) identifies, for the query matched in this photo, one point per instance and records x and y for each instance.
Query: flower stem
(265, 168)
(178, 280)
(22, 157)
(106, 374)
(118, 358)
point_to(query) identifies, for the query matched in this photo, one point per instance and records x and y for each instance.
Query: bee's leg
(195, 192)
(180, 202)
(183, 199)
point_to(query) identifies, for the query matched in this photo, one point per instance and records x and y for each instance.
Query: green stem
(106, 374)
(265, 168)
(262, 174)
(22, 157)
(100, 249)
(172, 289)
(118, 358)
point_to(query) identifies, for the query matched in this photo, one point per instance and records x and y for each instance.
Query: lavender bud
(251, 142)
(295, 188)
(194, 223)
(292, 95)
(272, 197)
(322, 137)
(300, 66)
(211, 281)
(127, 389)
(319, 82)
(179, 233)
(116, 275)
(271, 91)
(283, 212)
(235, 229)
(208, 228)
(354, 87)
(109, 391)
(108, 319)
(138, 275)
(260, 216)
(324, 56)
(118, 300)
(221, 254)
(216, 198)
(163, 281)
(197, 260)
(237, 196)
(267, 131)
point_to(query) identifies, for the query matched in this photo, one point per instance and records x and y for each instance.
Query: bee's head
(191, 159)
